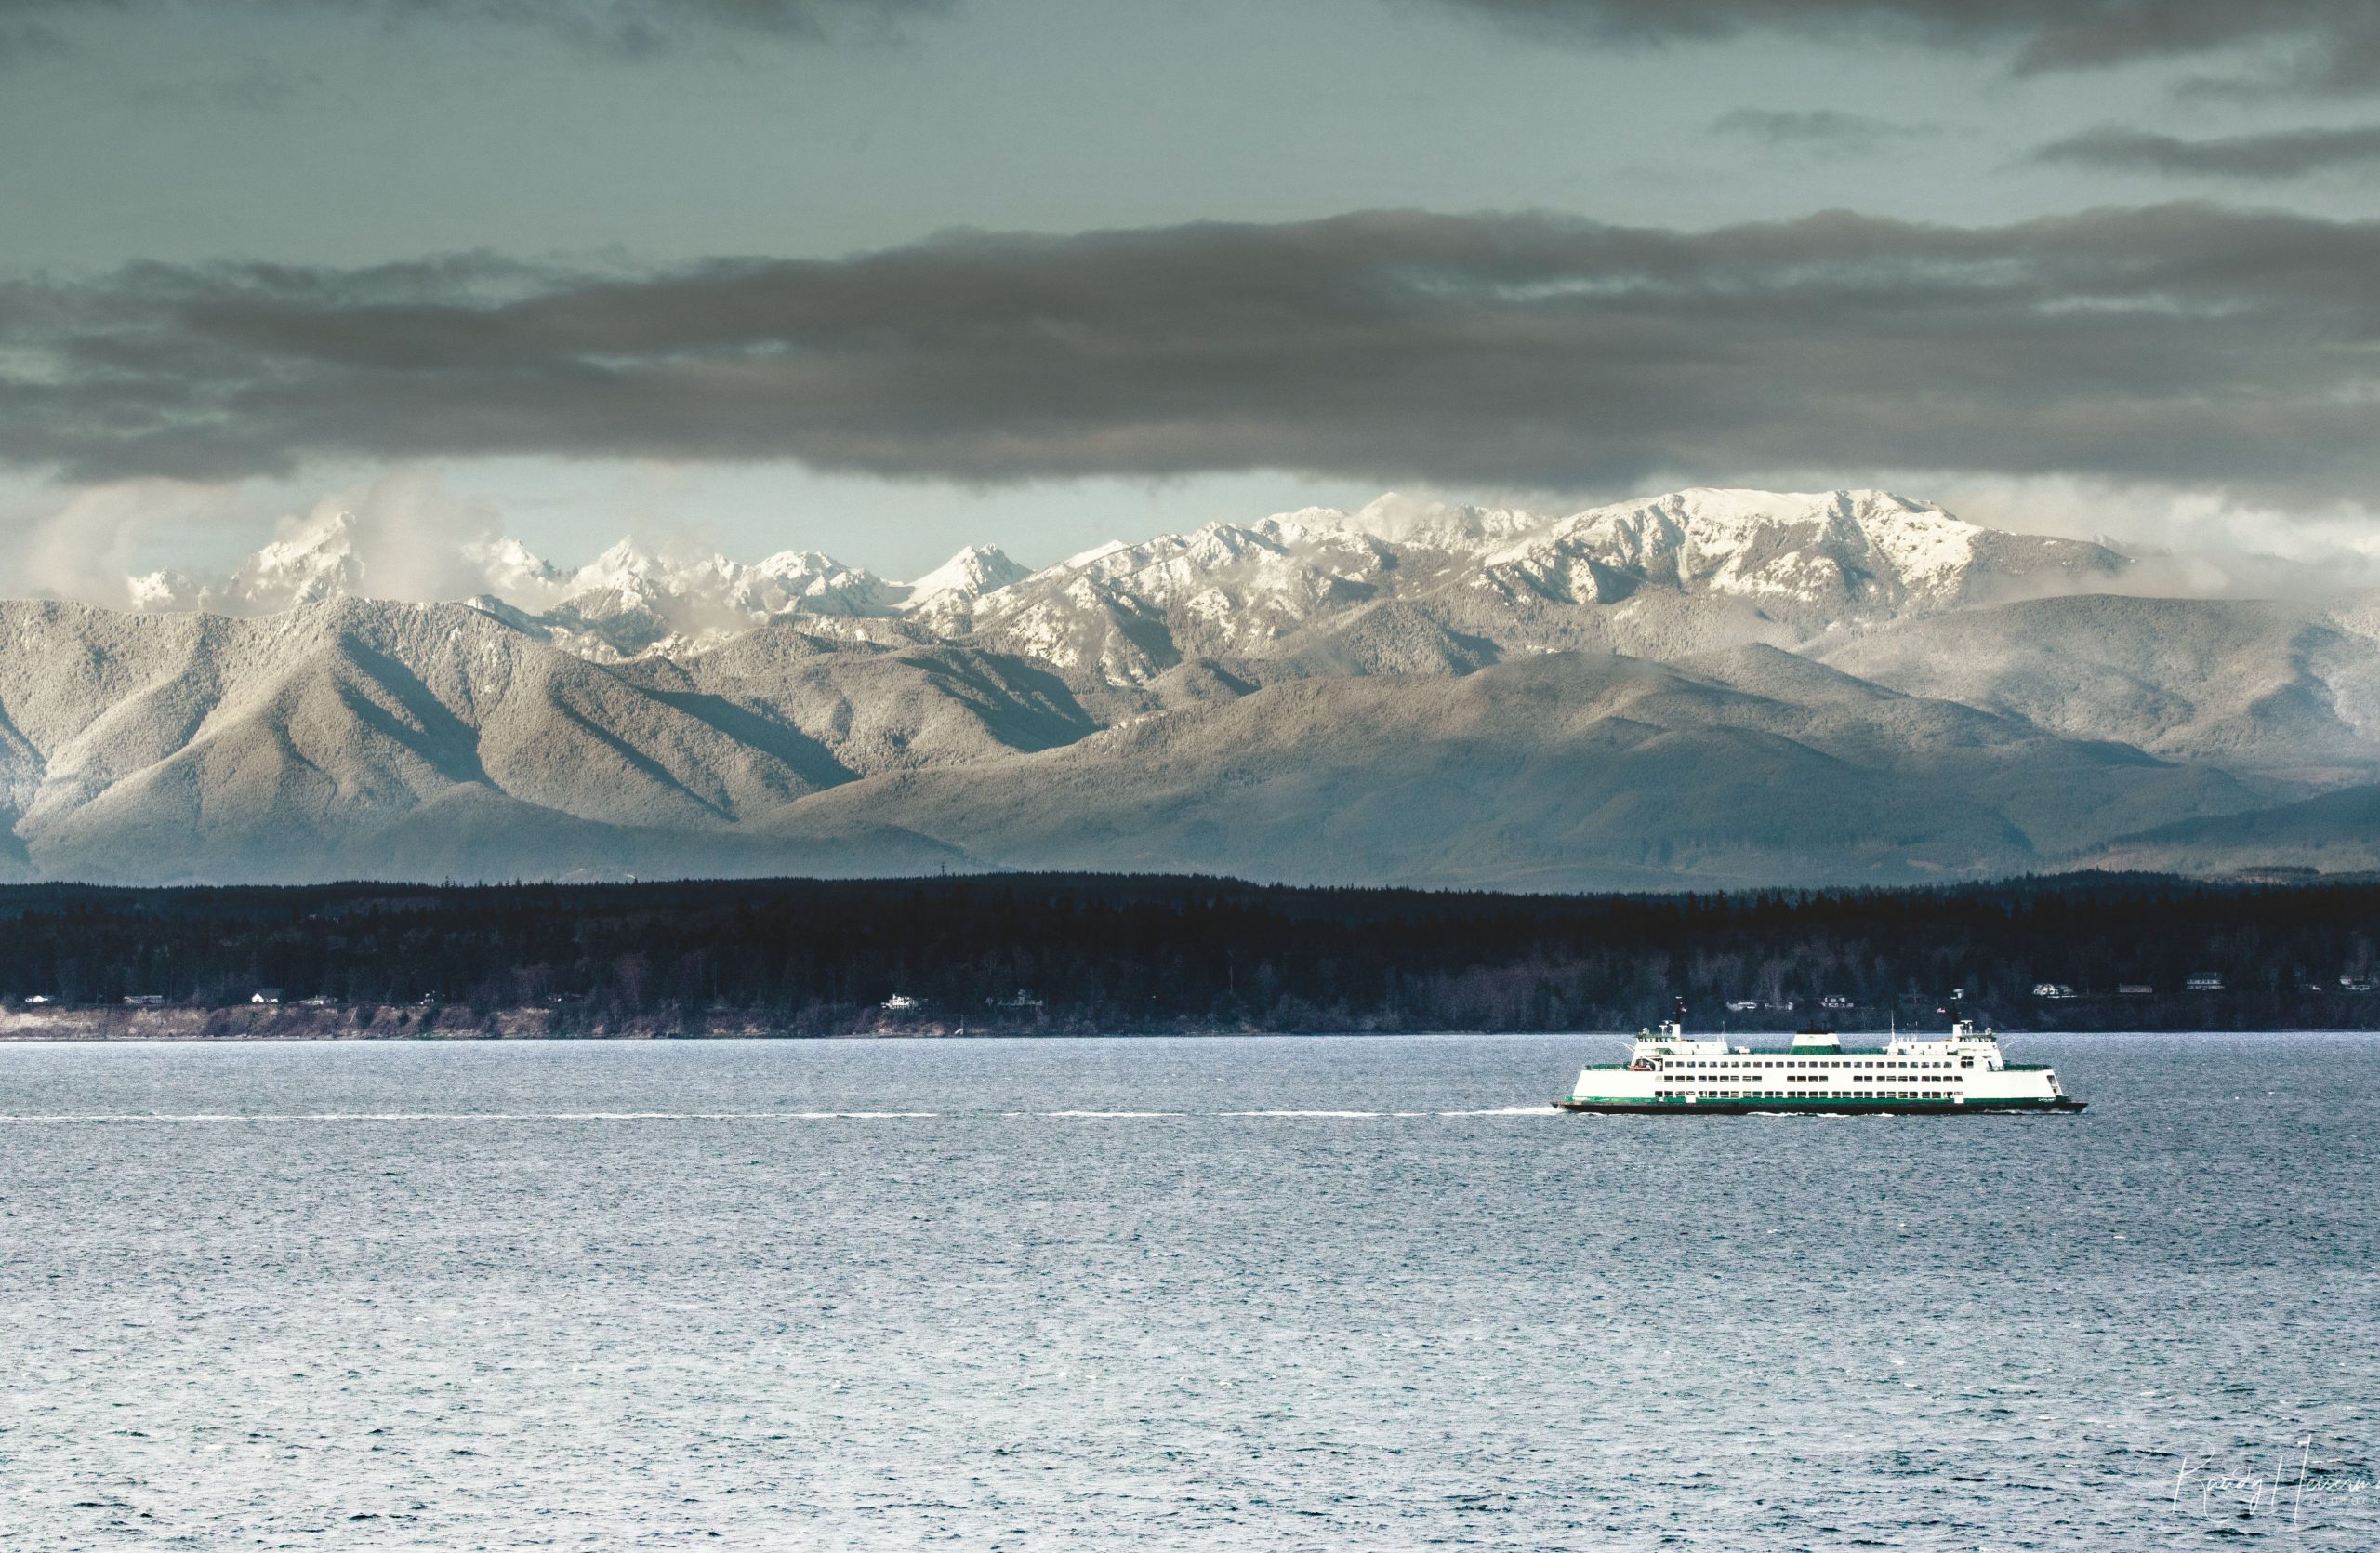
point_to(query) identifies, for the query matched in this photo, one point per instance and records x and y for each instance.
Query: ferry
(1670, 1073)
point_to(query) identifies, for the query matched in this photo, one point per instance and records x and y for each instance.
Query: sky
(884, 277)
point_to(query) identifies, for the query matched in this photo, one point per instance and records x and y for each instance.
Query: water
(602, 1296)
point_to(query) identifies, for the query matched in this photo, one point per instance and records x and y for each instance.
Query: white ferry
(1670, 1073)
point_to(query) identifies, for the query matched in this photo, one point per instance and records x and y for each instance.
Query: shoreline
(373, 1023)
(382, 1022)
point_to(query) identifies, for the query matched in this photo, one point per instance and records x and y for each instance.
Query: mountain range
(1711, 688)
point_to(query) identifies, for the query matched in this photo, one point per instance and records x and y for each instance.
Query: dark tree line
(1072, 953)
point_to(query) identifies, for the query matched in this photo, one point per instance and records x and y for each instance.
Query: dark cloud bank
(634, 26)
(2335, 44)
(2284, 154)
(2182, 342)
(1818, 131)
(2331, 44)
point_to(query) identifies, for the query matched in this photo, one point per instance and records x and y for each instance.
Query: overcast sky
(879, 278)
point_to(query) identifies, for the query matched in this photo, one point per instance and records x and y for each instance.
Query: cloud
(84, 546)
(2287, 153)
(2182, 344)
(2183, 544)
(399, 536)
(1818, 132)
(2327, 46)
(2326, 43)
(627, 26)
(407, 536)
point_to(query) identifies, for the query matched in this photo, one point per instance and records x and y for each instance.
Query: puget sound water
(1360, 1292)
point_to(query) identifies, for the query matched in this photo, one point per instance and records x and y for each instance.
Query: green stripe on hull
(1813, 1104)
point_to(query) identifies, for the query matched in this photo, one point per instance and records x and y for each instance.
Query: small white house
(901, 1002)
(2052, 989)
(265, 995)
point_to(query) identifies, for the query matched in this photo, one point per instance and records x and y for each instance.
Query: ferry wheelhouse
(1670, 1073)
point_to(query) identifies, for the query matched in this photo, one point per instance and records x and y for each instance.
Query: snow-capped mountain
(1397, 585)
(1829, 558)
(1402, 585)
(626, 601)
(946, 595)
(354, 738)
(329, 554)
(1711, 687)
(318, 561)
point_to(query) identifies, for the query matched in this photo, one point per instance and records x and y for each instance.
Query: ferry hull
(1815, 1107)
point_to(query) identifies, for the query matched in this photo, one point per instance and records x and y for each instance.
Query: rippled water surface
(1265, 1294)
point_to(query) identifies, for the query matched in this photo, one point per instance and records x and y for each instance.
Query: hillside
(1705, 689)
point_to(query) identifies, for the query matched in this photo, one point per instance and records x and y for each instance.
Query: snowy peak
(512, 570)
(1816, 559)
(1400, 582)
(313, 558)
(624, 567)
(318, 561)
(629, 601)
(966, 576)
(1416, 583)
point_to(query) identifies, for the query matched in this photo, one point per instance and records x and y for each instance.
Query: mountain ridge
(1708, 687)
(1796, 561)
